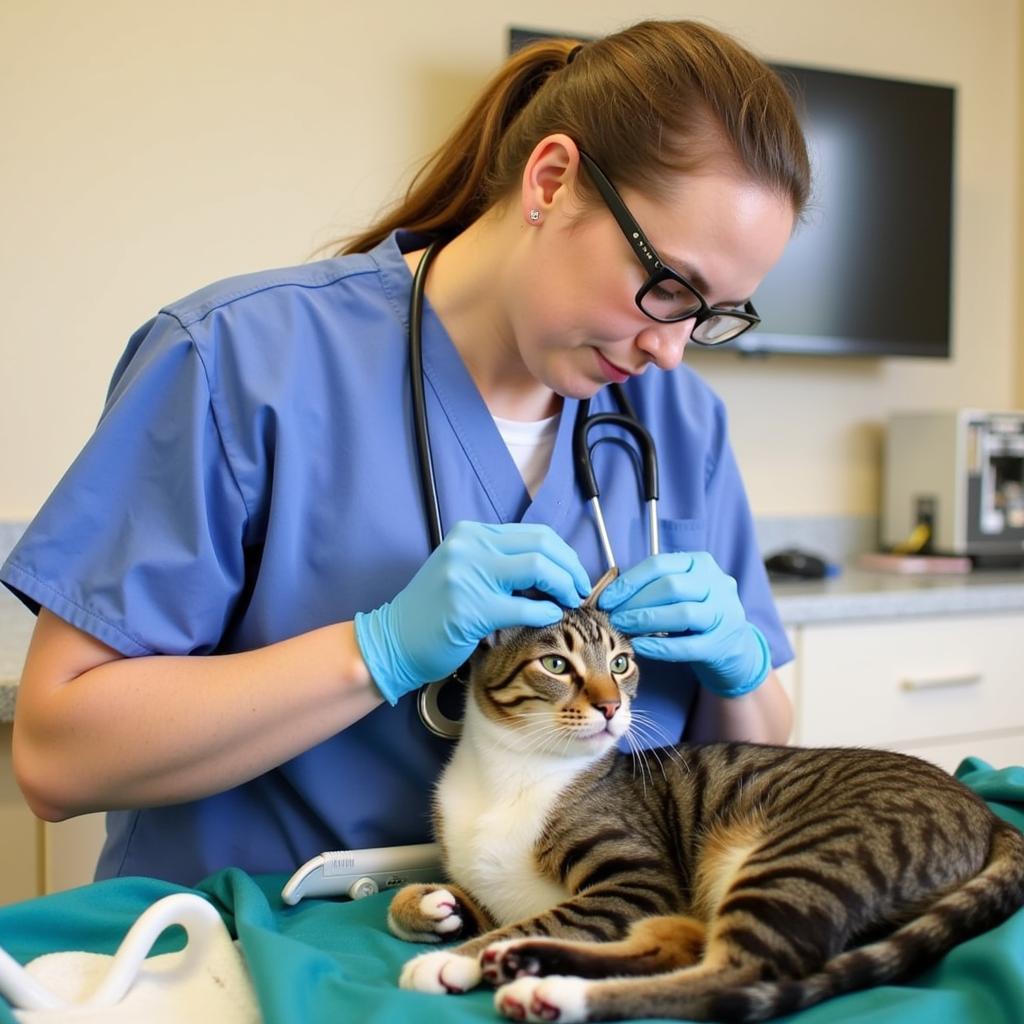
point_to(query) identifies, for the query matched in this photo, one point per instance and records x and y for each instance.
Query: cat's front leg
(451, 971)
(436, 913)
(442, 971)
(654, 945)
(594, 917)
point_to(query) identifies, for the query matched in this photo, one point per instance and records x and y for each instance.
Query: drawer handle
(941, 682)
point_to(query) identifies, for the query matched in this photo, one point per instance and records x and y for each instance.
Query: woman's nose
(663, 344)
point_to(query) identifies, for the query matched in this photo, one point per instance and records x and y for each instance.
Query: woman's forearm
(764, 715)
(134, 732)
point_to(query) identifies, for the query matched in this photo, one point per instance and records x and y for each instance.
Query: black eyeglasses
(667, 296)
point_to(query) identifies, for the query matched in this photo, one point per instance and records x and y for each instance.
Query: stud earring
(534, 216)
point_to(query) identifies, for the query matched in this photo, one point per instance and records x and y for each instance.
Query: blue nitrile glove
(463, 592)
(680, 593)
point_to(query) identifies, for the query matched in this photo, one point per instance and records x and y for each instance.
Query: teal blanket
(325, 961)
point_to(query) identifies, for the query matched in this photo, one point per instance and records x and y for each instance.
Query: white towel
(207, 980)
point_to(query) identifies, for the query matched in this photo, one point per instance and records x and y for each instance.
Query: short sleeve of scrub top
(253, 477)
(142, 543)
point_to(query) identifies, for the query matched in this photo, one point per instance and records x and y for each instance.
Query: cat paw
(508, 960)
(543, 999)
(425, 913)
(442, 972)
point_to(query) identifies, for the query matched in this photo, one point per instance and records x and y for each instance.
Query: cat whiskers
(540, 731)
(639, 757)
(537, 738)
(645, 727)
(648, 727)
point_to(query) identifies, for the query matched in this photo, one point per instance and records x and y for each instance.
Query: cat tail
(981, 903)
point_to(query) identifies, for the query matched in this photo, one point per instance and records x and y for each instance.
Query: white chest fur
(494, 803)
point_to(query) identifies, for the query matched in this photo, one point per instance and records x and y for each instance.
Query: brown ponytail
(655, 99)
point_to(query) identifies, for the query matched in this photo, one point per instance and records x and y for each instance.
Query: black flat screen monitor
(869, 271)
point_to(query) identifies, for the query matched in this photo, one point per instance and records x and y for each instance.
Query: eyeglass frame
(648, 255)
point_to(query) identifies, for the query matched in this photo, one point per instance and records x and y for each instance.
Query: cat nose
(608, 708)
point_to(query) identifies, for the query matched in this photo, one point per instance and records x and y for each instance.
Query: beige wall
(148, 148)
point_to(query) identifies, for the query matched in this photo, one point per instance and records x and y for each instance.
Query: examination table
(334, 961)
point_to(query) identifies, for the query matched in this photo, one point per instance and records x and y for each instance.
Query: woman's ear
(548, 177)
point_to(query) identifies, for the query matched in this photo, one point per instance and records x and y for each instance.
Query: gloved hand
(689, 597)
(463, 592)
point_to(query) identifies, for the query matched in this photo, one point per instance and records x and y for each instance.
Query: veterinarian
(236, 590)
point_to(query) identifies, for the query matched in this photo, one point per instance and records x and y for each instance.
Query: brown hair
(656, 98)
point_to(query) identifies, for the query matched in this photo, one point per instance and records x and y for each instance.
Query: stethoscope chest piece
(434, 704)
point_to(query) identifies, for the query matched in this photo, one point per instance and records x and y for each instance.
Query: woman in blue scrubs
(236, 591)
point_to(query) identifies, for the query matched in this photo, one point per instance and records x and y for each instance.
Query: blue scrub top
(253, 477)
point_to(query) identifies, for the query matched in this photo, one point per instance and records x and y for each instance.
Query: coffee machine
(960, 474)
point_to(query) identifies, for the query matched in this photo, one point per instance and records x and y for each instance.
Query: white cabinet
(38, 857)
(941, 687)
(70, 850)
(787, 675)
(20, 868)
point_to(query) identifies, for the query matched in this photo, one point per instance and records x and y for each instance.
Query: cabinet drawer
(886, 683)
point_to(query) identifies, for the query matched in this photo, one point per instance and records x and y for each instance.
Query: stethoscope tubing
(421, 428)
(427, 699)
(582, 453)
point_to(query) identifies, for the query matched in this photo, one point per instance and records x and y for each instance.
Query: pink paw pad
(512, 1008)
(545, 1011)
(544, 999)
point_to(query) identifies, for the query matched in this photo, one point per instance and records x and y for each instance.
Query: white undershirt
(530, 444)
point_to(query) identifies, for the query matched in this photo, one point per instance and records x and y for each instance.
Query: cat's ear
(591, 599)
(464, 671)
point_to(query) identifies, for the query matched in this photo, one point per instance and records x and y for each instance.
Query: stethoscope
(433, 716)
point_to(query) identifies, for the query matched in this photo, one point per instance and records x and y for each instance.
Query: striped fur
(726, 881)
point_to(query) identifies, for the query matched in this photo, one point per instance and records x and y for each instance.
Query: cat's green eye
(555, 664)
(620, 664)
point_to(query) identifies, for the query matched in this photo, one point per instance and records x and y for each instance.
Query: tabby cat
(726, 881)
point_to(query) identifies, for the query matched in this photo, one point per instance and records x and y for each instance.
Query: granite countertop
(16, 624)
(854, 595)
(859, 594)
(8, 691)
